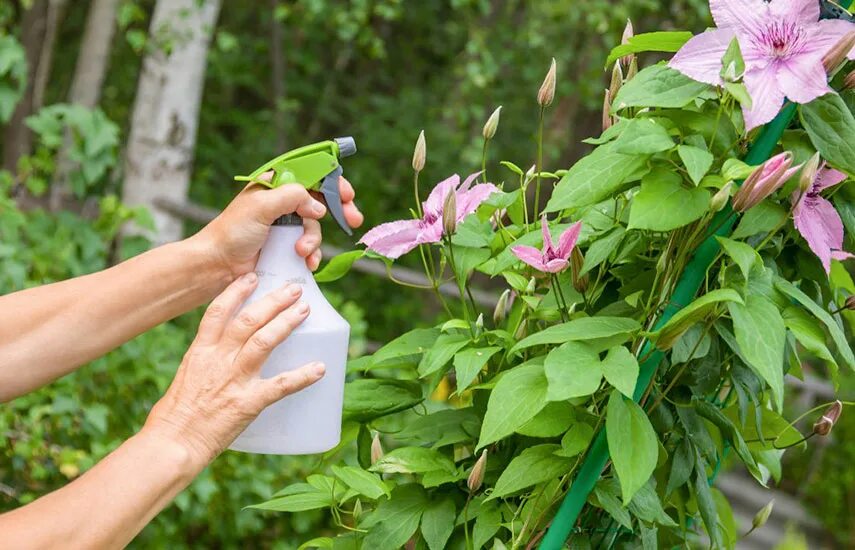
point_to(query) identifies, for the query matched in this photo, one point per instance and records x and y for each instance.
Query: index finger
(287, 199)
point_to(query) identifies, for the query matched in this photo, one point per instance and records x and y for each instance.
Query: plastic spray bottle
(308, 421)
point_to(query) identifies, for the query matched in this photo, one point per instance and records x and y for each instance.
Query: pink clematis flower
(550, 259)
(816, 219)
(394, 239)
(782, 43)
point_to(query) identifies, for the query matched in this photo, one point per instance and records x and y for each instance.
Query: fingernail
(294, 290)
(318, 207)
(250, 277)
(302, 308)
(319, 369)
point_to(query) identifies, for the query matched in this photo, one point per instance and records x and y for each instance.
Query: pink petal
(820, 225)
(393, 239)
(700, 57)
(739, 14)
(529, 255)
(468, 181)
(802, 78)
(841, 255)
(827, 177)
(568, 239)
(556, 265)
(548, 246)
(825, 34)
(766, 97)
(796, 11)
(432, 233)
(434, 202)
(469, 201)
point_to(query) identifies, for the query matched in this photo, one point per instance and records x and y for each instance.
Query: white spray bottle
(309, 421)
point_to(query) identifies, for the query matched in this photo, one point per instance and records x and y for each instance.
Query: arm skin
(215, 394)
(47, 332)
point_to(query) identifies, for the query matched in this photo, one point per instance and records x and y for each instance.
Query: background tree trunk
(277, 76)
(159, 155)
(87, 81)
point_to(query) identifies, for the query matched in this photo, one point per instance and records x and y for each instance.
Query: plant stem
(484, 160)
(457, 279)
(416, 193)
(559, 297)
(539, 162)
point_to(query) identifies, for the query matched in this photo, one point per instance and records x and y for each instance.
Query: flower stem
(559, 297)
(539, 162)
(416, 193)
(484, 160)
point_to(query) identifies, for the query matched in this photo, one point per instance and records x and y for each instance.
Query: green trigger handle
(316, 167)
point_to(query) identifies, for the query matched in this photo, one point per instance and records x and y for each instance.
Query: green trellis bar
(685, 291)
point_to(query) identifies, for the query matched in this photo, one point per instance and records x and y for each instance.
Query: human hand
(235, 237)
(217, 391)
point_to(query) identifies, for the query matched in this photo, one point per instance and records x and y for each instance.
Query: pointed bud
(476, 476)
(449, 213)
(719, 200)
(547, 90)
(730, 73)
(617, 80)
(632, 70)
(829, 419)
(357, 510)
(521, 332)
(849, 303)
(808, 175)
(849, 81)
(607, 108)
(662, 265)
(420, 153)
(529, 289)
(376, 449)
(492, 124)
(762, 516)
(763, 181)
(628, 32)
(529, 174)
(479, 322)
(837, 54)
(577, 260)
(501, 307)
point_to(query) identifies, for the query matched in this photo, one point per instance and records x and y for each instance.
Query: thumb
(288, 199)
(286, 383)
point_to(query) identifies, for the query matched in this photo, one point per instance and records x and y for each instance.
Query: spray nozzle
(316, 167)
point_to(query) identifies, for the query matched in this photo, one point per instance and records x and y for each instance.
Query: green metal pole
(685, 291)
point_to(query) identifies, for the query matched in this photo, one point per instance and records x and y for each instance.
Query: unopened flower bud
(479, 322)
(824, 425)
(607, 108)
(835, 56)
(662, 264)
(449, 213)
(808, 175)
(720, 199)
(547, 90)
(849, 303)
(357, 509)
(761, 517)
(376, 449)
(521, 332)
(730, 73)
(763, 181)
(492, 124)
(617, 80)
(420, 153)
(476, 476)
(529, 289)
(632, 70)
(577, 260)
(501, 307)
(628, 32)
(849, 81)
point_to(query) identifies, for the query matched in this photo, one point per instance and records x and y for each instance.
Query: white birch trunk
(159, 154)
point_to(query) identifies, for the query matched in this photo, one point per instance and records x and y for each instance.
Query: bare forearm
(111, 503)
(48, 331)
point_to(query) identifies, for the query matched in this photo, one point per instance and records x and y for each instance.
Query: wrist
(185, 462)
(209, 270)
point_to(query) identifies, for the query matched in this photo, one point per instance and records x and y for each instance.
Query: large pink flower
(782, 43)
(551, 259)
(394, 239)
(816, 219)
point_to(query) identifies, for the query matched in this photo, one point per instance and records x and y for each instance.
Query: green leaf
(682, 464)
(763, 218)
(808, 333)
(643, 136)
(572, 370)
(658, 86)
(466, 259)
(594, 177)
(576, 440)
(365, 483)
(610, 502)
(745, 256)
(441, 353)
(534, 465)
(487, 523)
(729, 432)
(620, 367)
(663, 203)
(441, 428)
(308, 499)
(518, 396)
(413, 460)
(552, 421)
(761, 336)
(735, 169)
(706, 505)
(833, 328)
(395, 520)
(469, 362)
(667, 335)
(774, 430)
(660, 41)
(696, 160)
(367, 399)
(633, 444)
(646, 506)
(318, 542)
(601, 249)
(831, 128)
(740, 92)
(414, 342)
(694, 344)
(583, 328)
(338, 266)
(438, 522)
